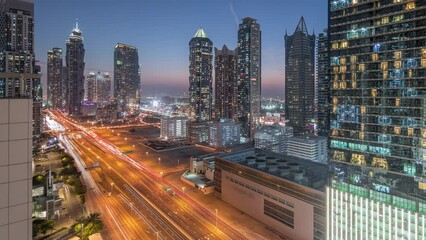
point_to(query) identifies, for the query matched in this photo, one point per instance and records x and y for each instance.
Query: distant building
(308, 147)
(54, 78)
(273, 138)
(299, 79)
(88, 108)
(37, 94)
(224, 133)
(198, 132)
(200, 77)
(127, 78)
(106, 113)
(249, 67)
(226, 97)
(283, 192)
(98, 87)
(15, 168)
(75, 71)
(323, 85)
(174, 127)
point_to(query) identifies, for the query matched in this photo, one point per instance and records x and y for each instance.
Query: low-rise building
(313, 148)
(283, 192)
(174, 127)
(106, 113)
(273, 138)
(198, 132)
(224, 133)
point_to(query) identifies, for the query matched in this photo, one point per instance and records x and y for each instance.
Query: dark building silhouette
(54, 78)
(323, 80)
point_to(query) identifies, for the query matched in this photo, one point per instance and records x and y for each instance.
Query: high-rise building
(37, 93)
(98, 87)
(225, 83)
(75, 71)
(249, 76)
(323, 92)
(378, 71)
(309, 147)
(174, 127)
(200, 77)
(127, 78)
(224, 133)
(273, 138)
(299, 79)
(54, 78)
(15, 168)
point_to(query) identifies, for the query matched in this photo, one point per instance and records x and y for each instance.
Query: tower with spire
(300, 79)
(200, 77)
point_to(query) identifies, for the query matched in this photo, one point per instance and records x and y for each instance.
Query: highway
(138, 207)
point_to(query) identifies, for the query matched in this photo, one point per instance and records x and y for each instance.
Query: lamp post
(112, 187)
(159, 161)
(183, 190)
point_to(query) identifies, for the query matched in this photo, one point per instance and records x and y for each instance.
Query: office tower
(377, 146)
(37, 94)
(200, 76)
(309, 147)
(299, 79)
(249, 76)
(75, 71)
(323, 85)
(224, 133)
(127, 79)
(273, 138)
(225, 83)
(98, 87)
(54, 78)
(174, 127)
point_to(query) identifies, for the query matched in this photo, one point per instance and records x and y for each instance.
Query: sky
(162, 29)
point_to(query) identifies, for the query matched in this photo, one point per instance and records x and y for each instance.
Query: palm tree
(86, 226)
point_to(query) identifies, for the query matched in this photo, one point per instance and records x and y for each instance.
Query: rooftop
(200, 34)
(307, 138)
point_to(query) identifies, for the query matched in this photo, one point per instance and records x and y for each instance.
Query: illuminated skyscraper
(54, 78)
(323, 86)
(299, 79)
(75, 71)
(225, 83)
(127, 78)
(200, 76)
(98, 87)
(378, 136)
(249, 76)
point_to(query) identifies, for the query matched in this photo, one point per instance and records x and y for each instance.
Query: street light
(161, 174)
(146, 153)
(183, 190)
(112, 187)
(159, 160)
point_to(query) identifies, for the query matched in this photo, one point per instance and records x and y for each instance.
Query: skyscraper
(98, 87)
(299, 79)
(75, 71)
(249, 76)
(127, 79)
(200, 76)
(378, 136)
(54, 78)
(323, 85)
(225, 83)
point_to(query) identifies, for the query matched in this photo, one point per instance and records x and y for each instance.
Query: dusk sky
(161, 30)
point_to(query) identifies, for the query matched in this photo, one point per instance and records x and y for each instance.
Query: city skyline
(150, 32)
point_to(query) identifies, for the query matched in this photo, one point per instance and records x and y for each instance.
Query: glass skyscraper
(323, 87)
(200, 77)
(249, 66)
(378, 134)
(54, 78)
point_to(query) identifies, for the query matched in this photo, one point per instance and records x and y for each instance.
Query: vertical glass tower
(200, 77)
(75, 71)
(323, 85)
(299, 79)
(378, 133)
(249, 76)
(54, 78)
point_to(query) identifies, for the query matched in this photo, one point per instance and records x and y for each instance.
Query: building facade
(54, 78)
(200, 77)
(75, 71)
(224, 133)
(174, 127)
(249, 76)
(273, 138)
(283, 192)
(198, 132)
(225, 83)
(309, 147)
(16, 143)
(299, 79)
(127, 78)
(98, 87)
(323, 113)
(378, 71)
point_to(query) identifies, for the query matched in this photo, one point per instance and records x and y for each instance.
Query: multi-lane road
(131, 196)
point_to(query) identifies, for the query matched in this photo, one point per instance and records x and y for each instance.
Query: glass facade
(378, 134)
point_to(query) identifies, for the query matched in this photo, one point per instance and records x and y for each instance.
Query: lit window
(397, 55)
(410, 73)
(343, 85)
(334, 108)
(344, 44)
(361, 67)
(374, 92)
(423, 62)
(397, 1)
(335, 69)
(342, 68)
(362, 126)
(398, 18)
(361, 135)
(362, 109)
(335, 132)
(385, 20)
(410, 131)
(397, 130)
(335, 100)
(353, 83)
(384, 65)
(358, 159)
(380, 163)
(397, 102)
(335, 46)
(339, 155)
(343, 60)
(374, 57)
(336, 85)
(424, 52)
(397, 64)
(410, 5)
(385, 74)
(353, 58)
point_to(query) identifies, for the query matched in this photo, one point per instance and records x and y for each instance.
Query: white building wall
(15, 169)
(253, 205)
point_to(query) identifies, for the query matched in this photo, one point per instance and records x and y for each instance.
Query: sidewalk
(248, 226)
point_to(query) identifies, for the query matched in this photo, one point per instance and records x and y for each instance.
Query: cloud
(234, 15)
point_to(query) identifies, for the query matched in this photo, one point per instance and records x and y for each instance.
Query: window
(361, 67)
(410, 131)
(374, 92)
(358, 159)
(385, 20)
(335, 46)
(423, 62)
(342, 85)
(397, 64)
(374, 57)
(343, 60)
(339, 155)
(380, 163)
(384, 65)
(397, 55)
(385, 75)
(410, 6)
(353, 58)
(344, 44)
(397, 102)
(353, 83)
(342, 68)
(397, 130)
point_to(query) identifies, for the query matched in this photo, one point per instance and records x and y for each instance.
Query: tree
(86, 226)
